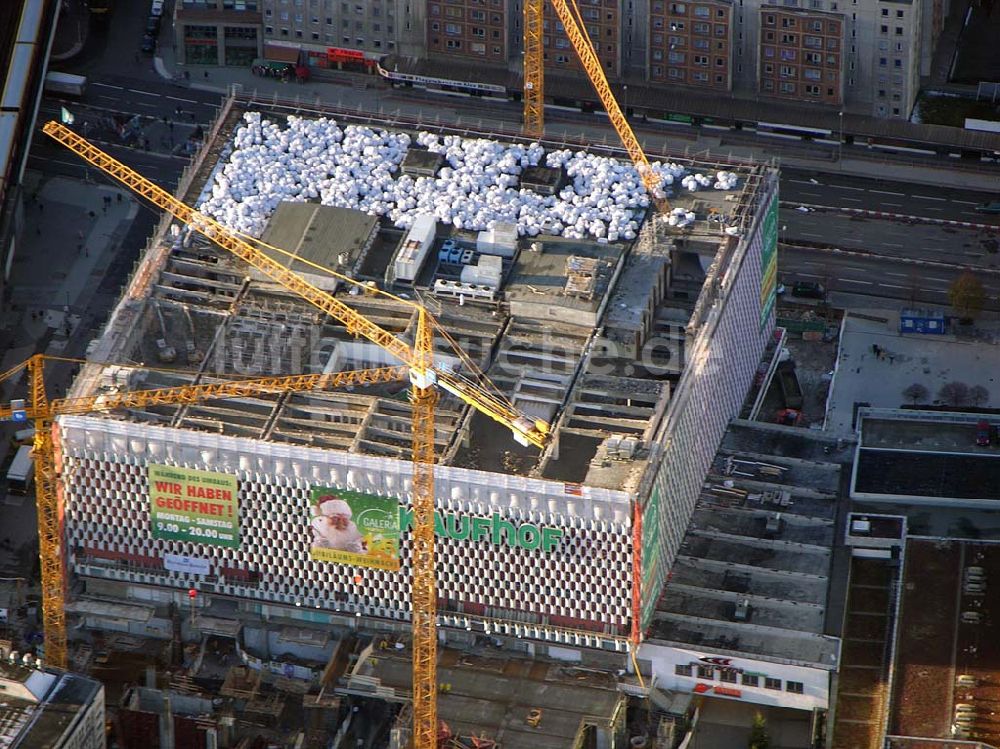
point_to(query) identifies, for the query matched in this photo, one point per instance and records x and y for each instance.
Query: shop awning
(277, 53)
(272, 64)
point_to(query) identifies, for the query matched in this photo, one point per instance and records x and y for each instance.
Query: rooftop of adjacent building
(753, 569)
(37, 705)
(930, 454)
(201, 311)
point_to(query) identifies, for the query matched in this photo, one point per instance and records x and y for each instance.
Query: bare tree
(916, 393)
(979, 395)
(954, 393)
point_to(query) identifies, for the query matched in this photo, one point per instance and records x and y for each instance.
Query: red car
(983, 434)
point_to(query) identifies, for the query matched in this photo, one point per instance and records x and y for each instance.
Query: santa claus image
(333, 528)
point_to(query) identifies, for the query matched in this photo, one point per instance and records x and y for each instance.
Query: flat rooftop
(37, 706)
(492, 693)
(931, 455)
(192, 298)
(761, 536)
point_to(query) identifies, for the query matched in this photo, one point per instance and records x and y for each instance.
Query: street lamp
(840, 138)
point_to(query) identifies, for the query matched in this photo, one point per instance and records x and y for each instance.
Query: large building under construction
(639, 353)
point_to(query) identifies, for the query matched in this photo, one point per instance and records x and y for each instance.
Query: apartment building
(468, 29)
(603, 22)
(691, 43)
(801, 55)
(218, 32)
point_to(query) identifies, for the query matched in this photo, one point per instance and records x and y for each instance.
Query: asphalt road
(883, 195)
(875, 276)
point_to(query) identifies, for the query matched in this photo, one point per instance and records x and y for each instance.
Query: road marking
(894, 205)
(810, 234)
(929, 197)
(939, 280)
(851, 200)
(144, 93)
(885, 192)
(893, 244)
(854, 280)
(892, 273)
(811, 194)
(846, 187)
(807, 275)
(853, 239)
(964, 202)
(892, 286)
(800, 181)
(932, 208)
(144, 104)
(106, 85)
(179, 98)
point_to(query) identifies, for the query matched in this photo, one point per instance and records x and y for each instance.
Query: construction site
(634, 352)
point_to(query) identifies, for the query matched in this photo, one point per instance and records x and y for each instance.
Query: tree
(954, 393)
(979, 395)
(758, 733)
(916, 393)
(966, 296)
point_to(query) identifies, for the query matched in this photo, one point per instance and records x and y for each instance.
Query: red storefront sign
(338, 54)
(702, 688)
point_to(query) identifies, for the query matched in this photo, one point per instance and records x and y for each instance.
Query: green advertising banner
(769, 262)
(190, 505)
(354, 528)
(650, 584)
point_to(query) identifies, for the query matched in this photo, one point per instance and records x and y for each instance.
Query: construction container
(415, 248)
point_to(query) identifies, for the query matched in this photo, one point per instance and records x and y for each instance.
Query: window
(899, 13)
(788, 55)
(813, 57)
(897, 63)
(899, 31)
(789, 39)
(769, 20)
(683, 670)
(720, 79)
(269, 30)
(750, 680)
(812, 74)
(496, 50)
(677, 75)
(883, 29)
(706, 672)
(700, 77)
(453, 12)
(329, 20)
(454, 44)
(882, 62)
(720, 30)
(885, 12)
(702, 11)
(676, 57)
(477, 48)
(453, 28)
(895, 111)
(816, 26)
(657, 70)
(678, 9)
(787, 71)
(788, 88)
(480, 32)
(701, 60)
(720, 13)
(788, 23)
(768, 68)
(658, 55)
(702, 28)
(769, 85)
(795, 687)
(284, 15)
(727, 675)
(701, 44)
(771, 683)
(315, 36)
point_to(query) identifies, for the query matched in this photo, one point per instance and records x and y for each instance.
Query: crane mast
(534, 65)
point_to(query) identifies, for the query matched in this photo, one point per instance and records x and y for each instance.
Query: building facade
(50, 708)
(801, 55)
(691, 43)
(218, 32)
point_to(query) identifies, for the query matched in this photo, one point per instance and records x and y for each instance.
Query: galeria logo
(495, 529)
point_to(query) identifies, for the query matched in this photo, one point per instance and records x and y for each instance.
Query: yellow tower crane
(534, 84)
(42, 412)
(424, 376)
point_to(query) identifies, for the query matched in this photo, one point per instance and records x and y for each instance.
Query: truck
(21, 471)
(791, 391)
(65, 84)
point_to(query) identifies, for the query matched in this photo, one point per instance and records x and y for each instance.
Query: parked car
(983, 434)
(809, 290)
(992, 206)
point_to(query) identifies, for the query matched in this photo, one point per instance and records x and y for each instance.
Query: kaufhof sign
(493, 529)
